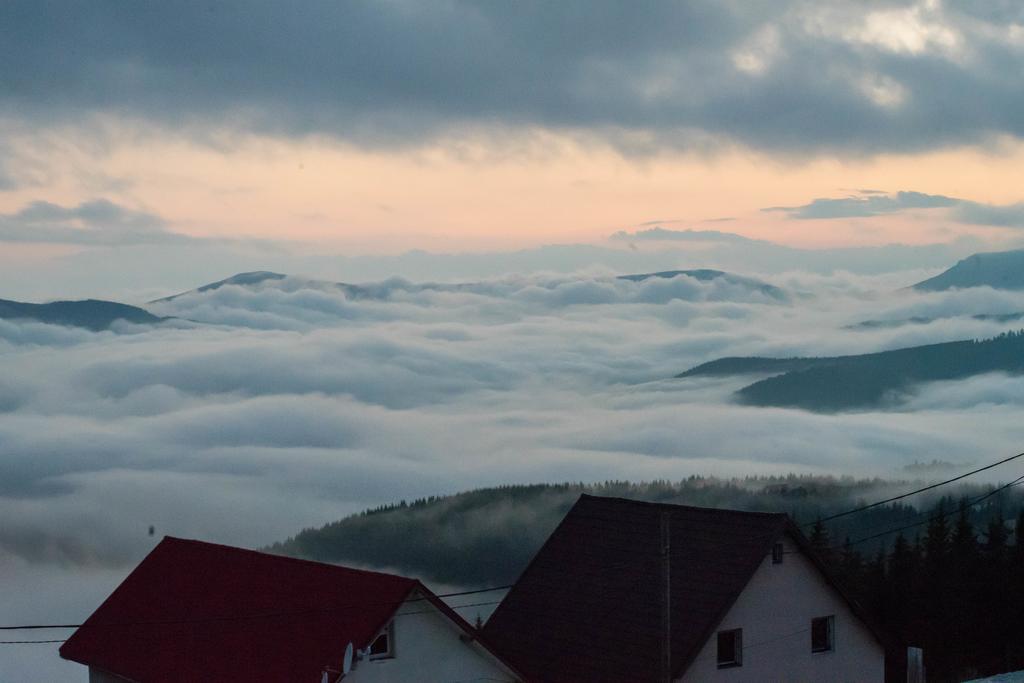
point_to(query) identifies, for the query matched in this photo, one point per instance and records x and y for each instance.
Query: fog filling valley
(257, 411)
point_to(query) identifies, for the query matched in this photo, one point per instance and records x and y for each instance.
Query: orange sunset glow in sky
(381, 128)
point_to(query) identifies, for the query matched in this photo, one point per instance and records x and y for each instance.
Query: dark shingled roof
(588, 607)
(194, 611)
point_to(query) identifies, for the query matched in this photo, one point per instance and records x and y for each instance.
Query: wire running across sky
(838, 515)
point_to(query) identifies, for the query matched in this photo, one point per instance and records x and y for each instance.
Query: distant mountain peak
(253, 277)
(708, 275)
(250, 278)
(92, 314)
(999, 270)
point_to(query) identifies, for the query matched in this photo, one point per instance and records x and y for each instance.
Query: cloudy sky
(220, 133)
(527, 152)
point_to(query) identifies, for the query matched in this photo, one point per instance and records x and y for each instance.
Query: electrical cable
(915, 492)
(496, 588)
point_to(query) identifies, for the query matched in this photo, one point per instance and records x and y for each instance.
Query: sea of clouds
(258, 411)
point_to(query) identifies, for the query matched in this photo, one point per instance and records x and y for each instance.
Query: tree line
(956, 589)
(951, 582)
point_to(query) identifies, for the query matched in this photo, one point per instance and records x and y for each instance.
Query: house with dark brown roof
(194, 611)
(633, 591)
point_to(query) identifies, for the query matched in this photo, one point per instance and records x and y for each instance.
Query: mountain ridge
(92, 314)
(838, 383)
(709, 275)
(372, 290)
(996, 269)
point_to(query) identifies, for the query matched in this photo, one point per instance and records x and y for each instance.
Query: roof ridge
(288, 558)
(680, 506)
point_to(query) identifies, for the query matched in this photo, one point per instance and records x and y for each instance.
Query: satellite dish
(346, 664)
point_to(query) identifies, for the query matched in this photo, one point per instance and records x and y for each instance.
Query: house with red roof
(199, 612)
(625, 590)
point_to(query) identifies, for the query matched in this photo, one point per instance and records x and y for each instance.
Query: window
(822, 634)
(778, 552)
(730, 648)
(382, 646)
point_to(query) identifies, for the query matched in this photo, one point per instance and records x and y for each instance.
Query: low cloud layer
(660, 234)
(267, 409)
(302, 400)
(867, 204)
(797, 77)
(168, 268)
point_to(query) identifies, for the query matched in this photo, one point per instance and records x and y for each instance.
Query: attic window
(730, 648)
(777, 553)
(822, 634)
(382, 646)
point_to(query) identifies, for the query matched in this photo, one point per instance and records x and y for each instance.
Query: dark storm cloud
(96, 222)
(874, 203)
(794, 77)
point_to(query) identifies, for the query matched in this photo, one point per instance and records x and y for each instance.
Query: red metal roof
(194, 611)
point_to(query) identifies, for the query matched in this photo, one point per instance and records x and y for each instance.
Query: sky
(376, 128)
(485, 171)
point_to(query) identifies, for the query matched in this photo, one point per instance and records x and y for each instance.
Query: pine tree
(1018, 540)
(820, 540)
(996, 623)
(996, 536)
(963, 594)
(851, 564)
(1015, 586)
(876, 585)
(901, 594)
(936, 540)
(933, 585)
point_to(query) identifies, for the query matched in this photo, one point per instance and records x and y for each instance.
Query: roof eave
(468, 629)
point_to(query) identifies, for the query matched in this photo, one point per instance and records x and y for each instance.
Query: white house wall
(428, 648)
(775, 612)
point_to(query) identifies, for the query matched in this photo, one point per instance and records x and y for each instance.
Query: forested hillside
(943, 572)
(486, 536)
(868, 380)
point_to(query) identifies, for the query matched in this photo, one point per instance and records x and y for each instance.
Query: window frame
(388, 632)
(830, 634)
(737, 648)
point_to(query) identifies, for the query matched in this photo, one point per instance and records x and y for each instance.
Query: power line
(262, 615)
(829, 518)
(289, 613)
(870, 506)
(397, 614)
(915, 492)
(892, 499)
(972, 503)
